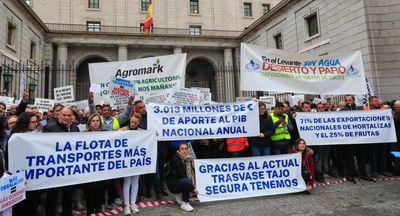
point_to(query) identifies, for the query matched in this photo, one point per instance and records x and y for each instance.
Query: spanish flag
(149, 18)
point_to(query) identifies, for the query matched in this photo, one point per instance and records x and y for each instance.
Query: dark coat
(267, 128)
(177, 171)
(55, 126)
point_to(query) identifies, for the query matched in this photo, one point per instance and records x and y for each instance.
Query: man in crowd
(380, 151)
(61, 124)
(281, 138)
(110, 122)
(152, 180)
(348, 151)
(261, 145)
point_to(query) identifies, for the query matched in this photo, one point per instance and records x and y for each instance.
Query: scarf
(188, 162)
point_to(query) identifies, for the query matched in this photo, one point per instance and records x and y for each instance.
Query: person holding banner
(95, 190)
(181, 176)
(27, 123)
(360, 151)
(282, 125)
(261, 145)
(131, 183)
(62, 124)
(307, 162)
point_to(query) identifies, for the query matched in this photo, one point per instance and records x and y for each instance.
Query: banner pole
(241, 95)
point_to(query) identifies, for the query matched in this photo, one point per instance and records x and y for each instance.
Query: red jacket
(307, 162)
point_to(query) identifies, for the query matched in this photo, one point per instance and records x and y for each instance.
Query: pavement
(363, 198)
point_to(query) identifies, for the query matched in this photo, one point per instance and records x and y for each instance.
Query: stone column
(229, 81)
(62, 55)
(177, 50)
(123, 52)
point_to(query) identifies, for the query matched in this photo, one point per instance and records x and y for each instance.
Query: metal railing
(55, 27)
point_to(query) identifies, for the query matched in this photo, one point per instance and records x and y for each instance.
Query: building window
(28, 2)
(278, 41)
(142, 28)
(194, 7)
(93, 26)
(95, 4)
(195, 30)
(312, 24)
(265, 8)
(247, 9)
(33, 51)
(144, 5)
(11, 34)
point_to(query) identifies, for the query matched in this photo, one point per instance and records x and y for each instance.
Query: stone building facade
(328, 27)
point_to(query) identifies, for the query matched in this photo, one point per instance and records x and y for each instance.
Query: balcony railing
(139, 30)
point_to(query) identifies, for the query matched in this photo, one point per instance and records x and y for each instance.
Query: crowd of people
(175, 169)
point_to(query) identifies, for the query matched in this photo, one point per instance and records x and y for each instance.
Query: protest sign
(120, 91)
(64, 94)
(151, 75)
(43, 104)
(185, 96)
(158, 98)
(61, 159)
(175, 122)
(6, 100)
(234, 178)
(269, 101)
(238, 99)
(206, 94)
(12, 190)
(346, 127)
(265, 69)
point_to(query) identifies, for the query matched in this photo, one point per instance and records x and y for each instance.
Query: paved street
(363, 198)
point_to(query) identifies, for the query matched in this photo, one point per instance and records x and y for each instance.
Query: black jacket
(55, 126)
(177, 171)
(267, 128)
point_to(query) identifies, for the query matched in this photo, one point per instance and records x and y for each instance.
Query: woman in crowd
(26, 123)
(307, 166)
(131, 183)
(10, 123)
(181, 177)
(95, 190)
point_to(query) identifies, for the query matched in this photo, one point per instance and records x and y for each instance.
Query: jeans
(184, 186)
(261, 151)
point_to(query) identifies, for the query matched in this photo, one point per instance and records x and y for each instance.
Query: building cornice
(33, 14)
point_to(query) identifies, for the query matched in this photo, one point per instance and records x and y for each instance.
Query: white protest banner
(12, 190)
(7, 100)
(61, 159)
(43, 104)
(120, 91)
(185, 96)
(22, 86)
(234, 178)
(157, 98)
(175, 122)
(269, 101)
(64, 94)
(151, 75)
(266, 69)
(346, 127)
